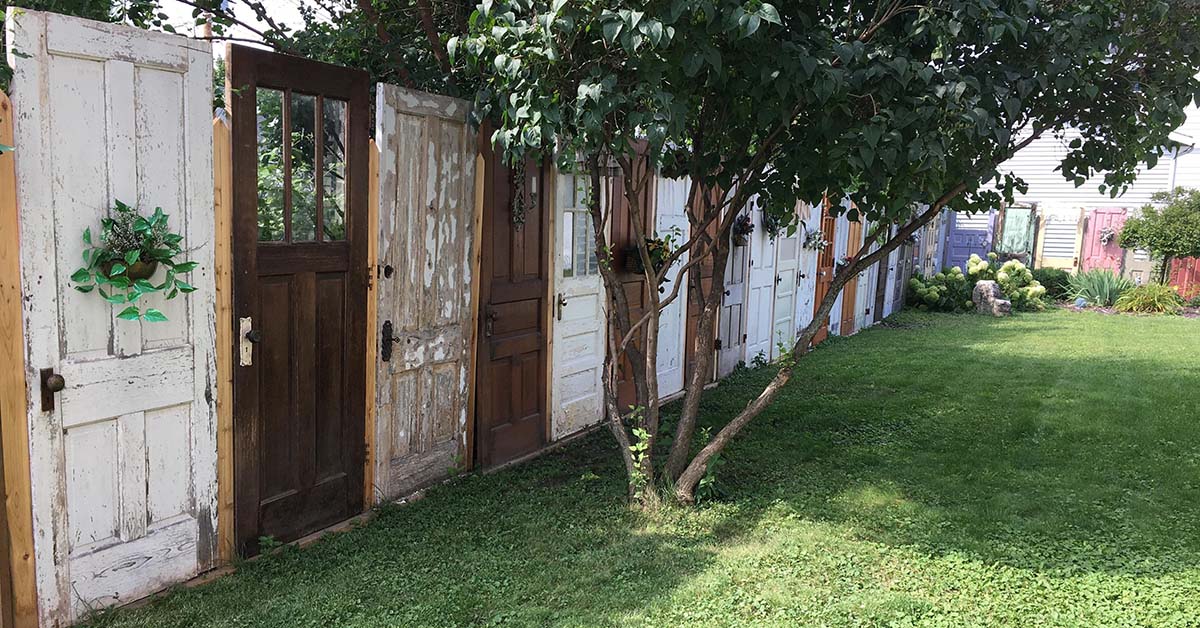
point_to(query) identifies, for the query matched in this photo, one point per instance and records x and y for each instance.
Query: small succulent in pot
(130, 249)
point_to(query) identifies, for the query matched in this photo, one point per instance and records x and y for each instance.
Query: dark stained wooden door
(300, 253)
(623, 240)
(700, 284)
(850, 290)
(825, 268)
(513, 318)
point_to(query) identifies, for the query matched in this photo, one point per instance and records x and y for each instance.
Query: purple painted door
(967, 234)
(1100, 247)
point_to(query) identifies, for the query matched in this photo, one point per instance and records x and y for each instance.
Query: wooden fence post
(223, 234)
(20, 608)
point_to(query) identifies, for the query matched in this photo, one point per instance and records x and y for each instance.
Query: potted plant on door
(742, 228)
(128, 253)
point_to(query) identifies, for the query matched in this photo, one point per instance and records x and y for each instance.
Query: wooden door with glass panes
(578, 337)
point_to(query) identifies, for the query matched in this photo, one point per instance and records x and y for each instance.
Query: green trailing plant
(1099, 287)
(121, 262)
(947, 291)
(1151, 298)
(1055, 280)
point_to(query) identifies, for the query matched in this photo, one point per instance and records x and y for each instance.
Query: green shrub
(1055, 282)
(1013, 277)
(1100, 287)
(1151, 298)
(1194, 301)
(947, 291)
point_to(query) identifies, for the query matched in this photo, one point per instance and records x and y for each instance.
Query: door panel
(787, 277)
(426, 240)
(761, 299)
(883, 278)
(731, 326)
(1059, 239)
(577, 369)
(300, 241)
(967, 234)
(850, 290)
(825, 267)
(699, 287)
(902, 271)
(513, 335)
(124, 459)
(1016, 235)
(670, 217)
(1097, 254)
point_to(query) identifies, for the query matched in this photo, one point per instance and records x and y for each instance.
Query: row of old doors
(300, 277)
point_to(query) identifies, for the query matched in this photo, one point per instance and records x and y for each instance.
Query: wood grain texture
(372, 339)
(20, 606)
(223, 240)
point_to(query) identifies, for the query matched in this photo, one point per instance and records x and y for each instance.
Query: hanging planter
(659, 249)
(129, 252)
(742, 228)
(814, 240)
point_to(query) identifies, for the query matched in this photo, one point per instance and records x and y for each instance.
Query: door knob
(254, 336)
(51, 383)
(562, 302)
(489, 319)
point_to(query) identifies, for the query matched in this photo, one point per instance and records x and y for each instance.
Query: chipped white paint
(760, 302)
(426, 222)
(806, 271)
(577, 348)
(671, 216)
(124, 470)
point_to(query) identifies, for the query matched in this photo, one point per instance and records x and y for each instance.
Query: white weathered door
(806, 274)
(731, 326)
(577, 349)
(867, 281)
(124, 465)
(671, 218)
(787, 275)
(761, 300)
(425, 319)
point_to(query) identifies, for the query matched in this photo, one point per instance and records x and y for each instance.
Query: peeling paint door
(124, 457)
(731, 326)
(850, 290)
(578, 347)
(826, 263)
(1059, 239)
(1016, 233)
(299, 292)
(425, 322)
(787, 275)
(967, 234)
(670, 217)
(760, 325)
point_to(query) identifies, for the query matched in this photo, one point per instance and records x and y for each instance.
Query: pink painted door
(1100, 241)
(1185, 276)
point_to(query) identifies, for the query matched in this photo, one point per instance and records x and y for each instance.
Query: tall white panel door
(760, 325)
(892, 262)
(865, 295)
(731, 327)
(787, 275)
(124, 464)
(840, 247)
(579, 326)
(671, 218)
(806, 267)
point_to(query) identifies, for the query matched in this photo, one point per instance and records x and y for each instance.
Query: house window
(578, 241)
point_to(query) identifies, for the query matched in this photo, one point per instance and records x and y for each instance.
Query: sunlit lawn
(940, 471)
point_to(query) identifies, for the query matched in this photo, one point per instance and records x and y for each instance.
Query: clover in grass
(120, 264)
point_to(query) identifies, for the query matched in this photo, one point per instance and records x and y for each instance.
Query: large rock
(989, 299)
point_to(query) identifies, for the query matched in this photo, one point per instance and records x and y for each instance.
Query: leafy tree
(902, 107)
(1169, 230)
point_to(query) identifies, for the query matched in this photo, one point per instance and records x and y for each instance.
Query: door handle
(51, 383)
(489, 319)
(778, 278)
(726, 293)
(248, 336)
(562, 302)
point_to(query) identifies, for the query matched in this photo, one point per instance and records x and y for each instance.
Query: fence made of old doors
(787, 276)
(1138, 266)
(579, 326)
(510, 376)
(731, 326)
(124, 457)
(1017, 229)
(883, 281)
(761, 299)
(1058, 241)
(967, 234)
(826, 263)
(425, 322)
(850, 290)
(901, 272)
(300, 288)
(1184, 275)
(1101, 246)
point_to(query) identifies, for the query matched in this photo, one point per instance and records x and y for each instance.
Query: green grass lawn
(1042, 470)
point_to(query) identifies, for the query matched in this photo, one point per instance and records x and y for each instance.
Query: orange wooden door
(825, 268)
(850, 292)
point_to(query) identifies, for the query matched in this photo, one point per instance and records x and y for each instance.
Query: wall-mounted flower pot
(741, 239)
(135, 271)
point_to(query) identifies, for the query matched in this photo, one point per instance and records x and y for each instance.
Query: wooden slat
(372, 315)
(223, 206)
(14, 429)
